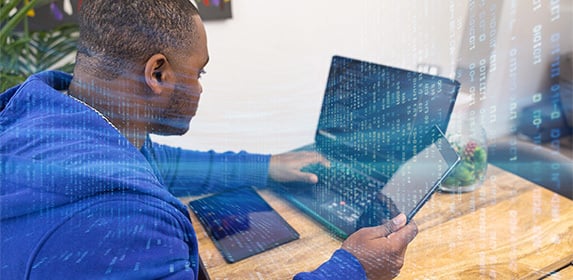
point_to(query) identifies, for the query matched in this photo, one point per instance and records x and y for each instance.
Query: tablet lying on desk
(241, 223)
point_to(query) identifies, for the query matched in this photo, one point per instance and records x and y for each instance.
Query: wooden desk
(507, 229)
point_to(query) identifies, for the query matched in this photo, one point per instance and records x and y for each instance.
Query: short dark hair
(116, 34)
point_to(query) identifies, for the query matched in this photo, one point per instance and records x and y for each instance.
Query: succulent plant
(472, 166)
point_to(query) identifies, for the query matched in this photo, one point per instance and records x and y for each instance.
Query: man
(87, 194)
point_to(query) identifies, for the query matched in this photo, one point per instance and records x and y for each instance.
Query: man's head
(147, 54)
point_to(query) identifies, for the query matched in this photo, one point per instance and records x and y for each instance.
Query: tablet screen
(241, 223)
(417, 179)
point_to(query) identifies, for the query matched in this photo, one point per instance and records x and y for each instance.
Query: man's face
(182, 105)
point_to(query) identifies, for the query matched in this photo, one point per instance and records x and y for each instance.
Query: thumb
(391, 226)
(308, 178)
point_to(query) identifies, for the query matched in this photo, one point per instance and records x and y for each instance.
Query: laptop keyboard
(355, 188)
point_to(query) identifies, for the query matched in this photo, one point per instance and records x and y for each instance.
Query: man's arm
(342, 265)
(187, 172)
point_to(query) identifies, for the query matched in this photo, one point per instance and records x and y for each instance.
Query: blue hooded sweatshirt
(78, 201)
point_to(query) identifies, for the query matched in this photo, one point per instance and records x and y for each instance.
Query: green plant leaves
(470, 169)
(24, 53)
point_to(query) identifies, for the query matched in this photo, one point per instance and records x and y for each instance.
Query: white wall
(531, 35)
(264, 84)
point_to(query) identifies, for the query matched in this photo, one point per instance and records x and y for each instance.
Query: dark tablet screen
(241, 223)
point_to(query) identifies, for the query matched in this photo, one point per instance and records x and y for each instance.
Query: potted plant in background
(24, 51)
(470, 143)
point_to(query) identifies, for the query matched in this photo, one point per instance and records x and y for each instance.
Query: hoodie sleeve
(187, 172)
(118, 239)
(342, 265)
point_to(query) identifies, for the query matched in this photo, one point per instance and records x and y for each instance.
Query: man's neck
(118, 106)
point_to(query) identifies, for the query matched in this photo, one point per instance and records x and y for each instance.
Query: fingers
(406, 234)
(388, 228)
(322, 160)
(314, 157)
(308, 178)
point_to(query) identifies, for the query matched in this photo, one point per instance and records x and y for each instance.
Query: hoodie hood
(54, 151)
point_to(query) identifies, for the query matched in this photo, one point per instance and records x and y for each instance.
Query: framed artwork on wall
(48, 16)
(214, 9)
(60, 12)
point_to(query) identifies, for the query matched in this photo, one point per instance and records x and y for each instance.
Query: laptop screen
(377, 116)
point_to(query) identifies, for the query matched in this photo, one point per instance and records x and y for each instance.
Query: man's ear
(159, 74)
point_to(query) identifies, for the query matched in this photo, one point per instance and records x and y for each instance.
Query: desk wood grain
(507, 229)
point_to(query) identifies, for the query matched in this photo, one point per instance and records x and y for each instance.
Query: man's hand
(381, 249)
(286, 167)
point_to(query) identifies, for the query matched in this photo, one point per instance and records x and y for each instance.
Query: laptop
(382, 130)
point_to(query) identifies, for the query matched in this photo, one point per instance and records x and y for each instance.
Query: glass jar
(471, 144)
